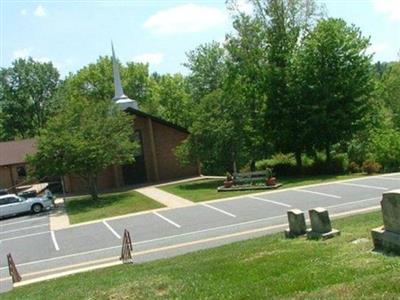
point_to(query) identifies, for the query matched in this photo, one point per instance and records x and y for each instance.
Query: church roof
(156, 119)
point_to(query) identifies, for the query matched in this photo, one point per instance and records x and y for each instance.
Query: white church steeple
(120, 98)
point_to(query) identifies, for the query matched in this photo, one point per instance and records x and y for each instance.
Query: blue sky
(74, 33)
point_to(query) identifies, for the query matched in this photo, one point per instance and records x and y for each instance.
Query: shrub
(281, 164)
(385, 149)
(277, 159)
(354, 167)
(285, 164)
(339, 164)
(370, 166)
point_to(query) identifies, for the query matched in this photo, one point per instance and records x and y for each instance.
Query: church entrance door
(135, 172)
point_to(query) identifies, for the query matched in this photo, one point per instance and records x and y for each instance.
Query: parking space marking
(390, 178)
(23, 221)
(53, 237)
(111, 229)
(353, 202)
(270, 201)
(23, 228)
(364, 186)
(220, 210)
(318, 193)
(24, 236)
(207, 230)
(145, 241)
(166, 219)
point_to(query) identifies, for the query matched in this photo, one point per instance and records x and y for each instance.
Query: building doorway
(135, 172)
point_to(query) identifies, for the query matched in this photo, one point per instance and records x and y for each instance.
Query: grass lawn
(206, 189)
(82, 209)
(270, 267)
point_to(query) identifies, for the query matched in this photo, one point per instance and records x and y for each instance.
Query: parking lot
(39, 251)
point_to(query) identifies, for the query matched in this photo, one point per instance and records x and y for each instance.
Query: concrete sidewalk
(168, 199)
(58, 217)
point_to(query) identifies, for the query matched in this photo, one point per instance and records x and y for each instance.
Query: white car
(12, 204)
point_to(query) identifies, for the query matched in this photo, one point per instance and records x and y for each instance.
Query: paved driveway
(40, 252)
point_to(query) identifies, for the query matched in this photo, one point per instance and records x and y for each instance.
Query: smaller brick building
(13, 169)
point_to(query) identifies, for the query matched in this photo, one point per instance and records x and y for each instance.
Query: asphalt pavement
(41, 253)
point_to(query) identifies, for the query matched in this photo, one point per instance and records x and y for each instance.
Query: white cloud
(27, 52)
(186, 18)
(22, 53)
(23, 12)
(40, 11)
(244, 6)
(151, 58)
(391, 8)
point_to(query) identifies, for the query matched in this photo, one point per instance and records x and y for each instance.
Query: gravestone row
(320, 224)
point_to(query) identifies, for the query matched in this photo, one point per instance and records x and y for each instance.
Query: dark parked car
(3, 192)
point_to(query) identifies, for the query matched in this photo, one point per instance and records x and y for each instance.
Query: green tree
(384, 147)
(217, 131)
(335, 79)
(246, 80)
(207, 69)
(220, 128)
(26, 93)
(83, 139)
(390, 91)
(286, 23)
(173, 99)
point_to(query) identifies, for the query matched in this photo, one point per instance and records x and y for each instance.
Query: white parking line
(318, 193)
(166, 219)
(353, 202)
(23, 228)
(270, 201)
(390, 178)
(218, 209)
(364, 186)
(146, 241)
(24, 236)
(53, 237)
(23, 221)
(111, 229)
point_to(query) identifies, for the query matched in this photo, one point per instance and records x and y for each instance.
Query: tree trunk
(328, 153)
(253, 166)
(234, 162)
(299, 163)
(93, 187)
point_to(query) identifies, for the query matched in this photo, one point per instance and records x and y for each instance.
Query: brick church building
(154, 162)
